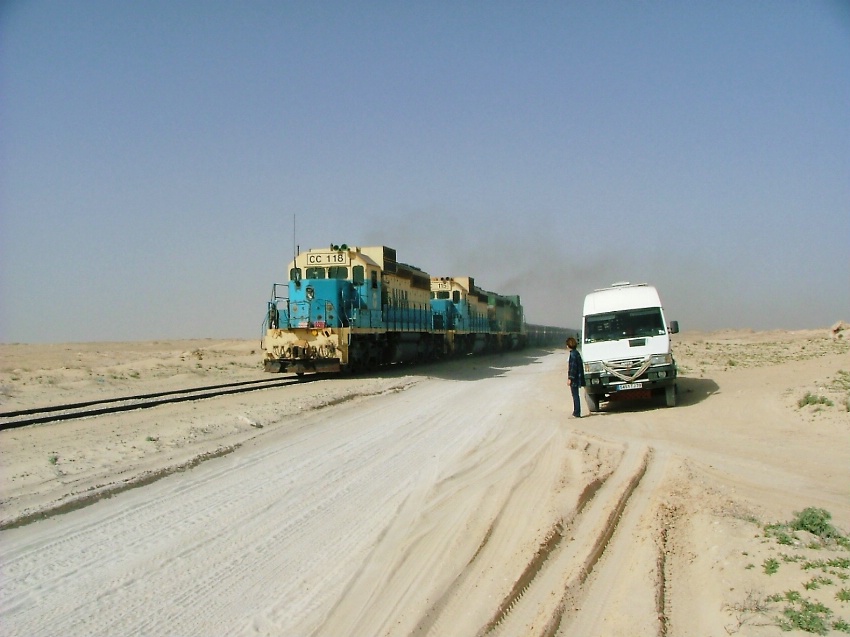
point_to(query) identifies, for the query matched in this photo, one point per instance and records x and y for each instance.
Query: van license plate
(629, 386)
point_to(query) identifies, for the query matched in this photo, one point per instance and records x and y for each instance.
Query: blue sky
(160, 161)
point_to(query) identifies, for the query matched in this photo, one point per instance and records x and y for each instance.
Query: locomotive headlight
(593, 367)
(310, 292)
(661, 359)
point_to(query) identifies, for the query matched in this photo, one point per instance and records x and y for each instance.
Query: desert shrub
(811, 399)
(842, 380)
(811, 617)
(816, 582)
(815, 521)
(780, 532)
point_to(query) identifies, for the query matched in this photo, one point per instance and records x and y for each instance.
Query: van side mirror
(674, 327)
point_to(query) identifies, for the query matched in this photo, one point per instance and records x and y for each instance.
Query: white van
(625, 345)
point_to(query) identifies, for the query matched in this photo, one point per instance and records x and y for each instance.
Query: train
(359, 308)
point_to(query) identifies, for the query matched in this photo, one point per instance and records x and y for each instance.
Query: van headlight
(661, 359)
(593, 367)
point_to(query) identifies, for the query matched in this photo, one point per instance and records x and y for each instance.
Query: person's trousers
(576, 400)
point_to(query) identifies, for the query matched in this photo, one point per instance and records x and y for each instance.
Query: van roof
(621, 296)
(620, 284)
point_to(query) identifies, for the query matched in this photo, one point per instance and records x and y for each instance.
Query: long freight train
(358, 308)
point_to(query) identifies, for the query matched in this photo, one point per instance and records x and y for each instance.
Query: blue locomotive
(358, 308)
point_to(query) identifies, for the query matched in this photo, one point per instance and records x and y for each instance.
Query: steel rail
(72, 411)
(89, 403)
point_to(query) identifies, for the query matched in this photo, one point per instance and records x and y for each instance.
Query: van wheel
(592, 401)
(670, 394)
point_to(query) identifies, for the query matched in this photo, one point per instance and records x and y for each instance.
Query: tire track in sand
(625, 594)
(543, 605)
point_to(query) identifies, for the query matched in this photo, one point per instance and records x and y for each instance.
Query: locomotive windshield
(333, 272)
(624, 324)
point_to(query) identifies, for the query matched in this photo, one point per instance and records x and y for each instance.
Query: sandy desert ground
(452, 499)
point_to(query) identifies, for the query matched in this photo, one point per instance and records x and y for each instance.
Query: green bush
(811, 399)
(770, 565)
(815, 521)
(808, 616)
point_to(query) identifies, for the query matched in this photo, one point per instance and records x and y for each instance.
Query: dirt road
(458, 499)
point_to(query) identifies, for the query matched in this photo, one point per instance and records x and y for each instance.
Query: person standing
(575, 375)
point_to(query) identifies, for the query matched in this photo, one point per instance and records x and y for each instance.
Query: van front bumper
(656, 377)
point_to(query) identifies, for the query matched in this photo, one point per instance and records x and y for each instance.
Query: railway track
(74, 411)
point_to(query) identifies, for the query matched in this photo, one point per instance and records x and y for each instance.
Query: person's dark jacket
(576, 368)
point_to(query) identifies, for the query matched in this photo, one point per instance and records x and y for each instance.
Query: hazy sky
(160, 161)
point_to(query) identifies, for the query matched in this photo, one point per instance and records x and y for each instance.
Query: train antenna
(295, 248)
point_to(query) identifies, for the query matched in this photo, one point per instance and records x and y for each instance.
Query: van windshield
(614, 326)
